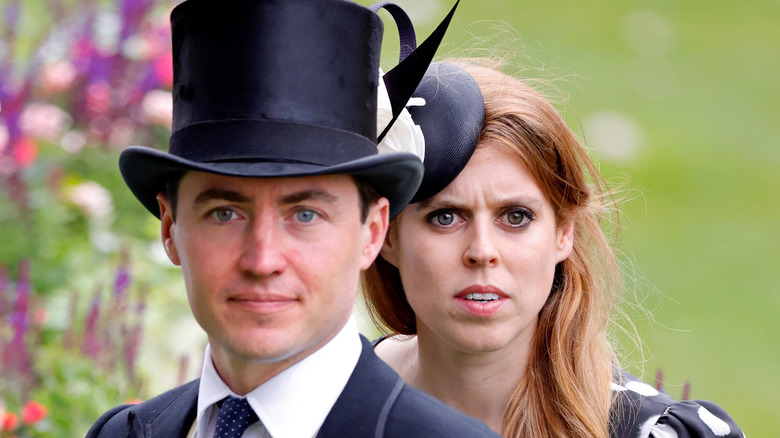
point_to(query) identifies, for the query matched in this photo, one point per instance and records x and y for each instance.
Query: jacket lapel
(369, 393)
(170, 415)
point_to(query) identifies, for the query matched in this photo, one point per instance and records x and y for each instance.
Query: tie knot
(235, 415)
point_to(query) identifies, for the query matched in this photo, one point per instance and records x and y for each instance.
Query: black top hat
(275, 88)
(451, 121)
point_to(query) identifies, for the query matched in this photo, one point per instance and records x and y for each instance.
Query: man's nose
(263, 249)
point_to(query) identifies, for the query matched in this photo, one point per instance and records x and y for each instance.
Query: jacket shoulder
(112, 423)
(120, 420)
(639, 409)
(376, 402)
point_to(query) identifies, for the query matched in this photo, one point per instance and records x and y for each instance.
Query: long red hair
(565, 391)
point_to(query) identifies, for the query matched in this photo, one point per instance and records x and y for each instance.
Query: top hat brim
(146, 171)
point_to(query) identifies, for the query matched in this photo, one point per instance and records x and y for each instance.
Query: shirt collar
(310, 386)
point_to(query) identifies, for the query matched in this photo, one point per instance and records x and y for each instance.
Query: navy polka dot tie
(235, 415)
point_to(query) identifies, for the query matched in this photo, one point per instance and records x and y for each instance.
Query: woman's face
(477, 260)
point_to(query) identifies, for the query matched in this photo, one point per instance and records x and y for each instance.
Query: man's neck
(243, 376)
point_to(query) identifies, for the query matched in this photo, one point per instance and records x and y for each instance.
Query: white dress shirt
(292, 404)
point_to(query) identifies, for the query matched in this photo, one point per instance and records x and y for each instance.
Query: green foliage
(77, 391)
(76, 268)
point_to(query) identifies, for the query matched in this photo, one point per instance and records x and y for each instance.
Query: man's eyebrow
(308, 195)
(221, 194)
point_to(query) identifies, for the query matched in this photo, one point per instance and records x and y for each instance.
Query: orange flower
(9, 421)
(33, 412)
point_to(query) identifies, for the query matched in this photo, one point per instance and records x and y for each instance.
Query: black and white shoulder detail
(641, 411)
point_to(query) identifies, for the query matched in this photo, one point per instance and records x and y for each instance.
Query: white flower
(44, 121)
(157, 107)
(73, 141)
(93, 199)
(404, 135)
(4, 137)
(58, 76)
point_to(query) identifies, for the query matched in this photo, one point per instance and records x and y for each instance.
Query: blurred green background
(676, 100)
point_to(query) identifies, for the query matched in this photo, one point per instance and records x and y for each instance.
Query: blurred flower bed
(79, 81)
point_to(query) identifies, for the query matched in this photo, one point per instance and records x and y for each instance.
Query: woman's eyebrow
(507, 201)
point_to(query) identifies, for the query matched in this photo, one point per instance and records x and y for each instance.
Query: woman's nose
(481, 249)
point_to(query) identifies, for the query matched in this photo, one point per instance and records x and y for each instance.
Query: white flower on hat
(404, 135)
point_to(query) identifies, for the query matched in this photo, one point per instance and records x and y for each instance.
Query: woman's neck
(479, 384)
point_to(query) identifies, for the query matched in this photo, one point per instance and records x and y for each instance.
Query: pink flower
(33, 412)
(43, 121)
(58, 76)
(4, 137)
(24, 152)
(158, 107)
(98, 98)
(73, 140)
(142, 46)
(163, 69)
(121, 132)
(93, 199)
(40, 316)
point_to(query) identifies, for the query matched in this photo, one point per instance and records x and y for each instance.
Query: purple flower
(132, 14)
(3, 291)
(19, 318)
(11, 17)
(121, 282)
(16, 357)
(91, 344)
(68, 336)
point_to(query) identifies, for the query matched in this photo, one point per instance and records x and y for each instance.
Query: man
(272, 199)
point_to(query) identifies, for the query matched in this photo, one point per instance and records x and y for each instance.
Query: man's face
(271, 265)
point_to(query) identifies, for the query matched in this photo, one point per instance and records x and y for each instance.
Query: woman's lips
(481, 300)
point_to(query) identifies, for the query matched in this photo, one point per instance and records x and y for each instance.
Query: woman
(498, 281)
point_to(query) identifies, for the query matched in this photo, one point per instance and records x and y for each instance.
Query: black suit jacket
(375, 403)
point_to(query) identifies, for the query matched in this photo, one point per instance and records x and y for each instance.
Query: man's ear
(375, 226)
(389, 250)
(167, 229)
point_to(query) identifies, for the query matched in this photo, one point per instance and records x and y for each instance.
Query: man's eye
(305, 216)
(223, 214)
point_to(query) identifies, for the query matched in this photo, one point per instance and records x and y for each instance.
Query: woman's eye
(305, 216)
(518, 217)
(442, 218)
